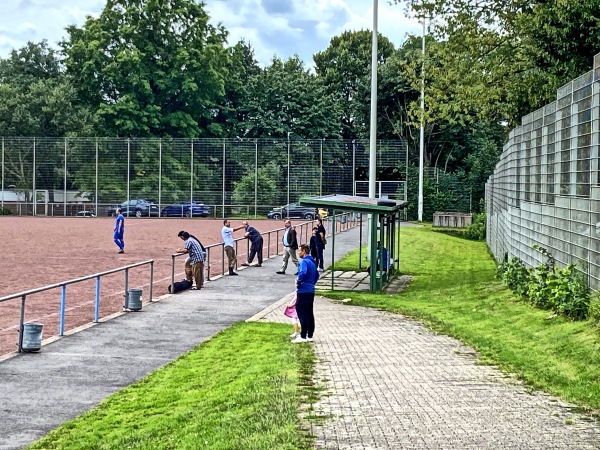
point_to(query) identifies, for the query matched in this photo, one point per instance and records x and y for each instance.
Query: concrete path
(390, 383)
(40, 391)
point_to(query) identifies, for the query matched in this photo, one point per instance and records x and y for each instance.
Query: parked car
(186, 209)
(85, 214)
(293, 211)
(137, 208)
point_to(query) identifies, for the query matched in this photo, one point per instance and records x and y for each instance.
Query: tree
(150, 67)
(38, 100)
(285, 99)
(498, 60)
(345, 69)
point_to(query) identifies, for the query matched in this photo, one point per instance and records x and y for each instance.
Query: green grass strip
(241, 389)
(454, 291)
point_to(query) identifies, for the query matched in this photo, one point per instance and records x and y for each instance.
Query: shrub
(563, 291)
(5, 212)
(476, 231)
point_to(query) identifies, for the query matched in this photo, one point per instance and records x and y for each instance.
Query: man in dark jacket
(290, 246)
(256, 244)
(305, 291)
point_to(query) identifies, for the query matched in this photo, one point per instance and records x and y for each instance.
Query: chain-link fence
(544, 189)
(71, 176)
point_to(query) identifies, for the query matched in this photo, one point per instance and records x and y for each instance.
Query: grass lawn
(240, 390)
(454, 292)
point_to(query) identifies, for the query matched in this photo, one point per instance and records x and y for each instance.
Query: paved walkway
(393, 384)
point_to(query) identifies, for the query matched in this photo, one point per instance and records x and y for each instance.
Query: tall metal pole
(128, 165)
(65, 183)
(2, 172)
(288, 173)
(373, 128)
(422, 137)
(96, 191)
(223, 208)
(191, 174)
(159, 174)
(255, 177)
(33, 182)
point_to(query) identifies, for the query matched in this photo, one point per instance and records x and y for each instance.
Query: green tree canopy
(150, 67)
(285, 98)
(345, 69)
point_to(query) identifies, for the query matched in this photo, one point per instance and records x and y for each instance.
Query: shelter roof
(355, 203)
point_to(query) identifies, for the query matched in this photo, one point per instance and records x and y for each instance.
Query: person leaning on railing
(194, 264)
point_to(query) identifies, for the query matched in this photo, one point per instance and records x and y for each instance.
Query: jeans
(304, 308)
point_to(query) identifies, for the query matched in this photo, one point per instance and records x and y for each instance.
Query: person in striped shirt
(195, 261)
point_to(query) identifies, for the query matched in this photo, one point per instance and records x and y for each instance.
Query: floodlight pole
(373, 128)
(373, 125)
(422, 136)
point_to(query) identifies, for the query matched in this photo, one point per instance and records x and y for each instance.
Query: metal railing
(63, 301)
(348, 221)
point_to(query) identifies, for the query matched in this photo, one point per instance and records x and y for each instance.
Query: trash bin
(344, 218)
(134, 302)
(32, 337)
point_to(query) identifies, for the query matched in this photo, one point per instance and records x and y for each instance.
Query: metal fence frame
(545, 188)
(86, 173)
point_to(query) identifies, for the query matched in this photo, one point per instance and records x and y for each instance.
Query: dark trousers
(304, 308)
(320, 258)
(256, 249)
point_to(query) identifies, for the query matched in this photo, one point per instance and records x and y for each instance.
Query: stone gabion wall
(545, 188)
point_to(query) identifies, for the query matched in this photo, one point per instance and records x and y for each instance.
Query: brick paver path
(393, 384)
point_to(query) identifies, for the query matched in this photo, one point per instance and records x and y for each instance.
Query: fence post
(172, 274)
(97, 164)
(223, 193)
(21, 326)
(97, 301)
(63, 305)
(255, 177)
(65, 184)
(151, 279)
(126, 302)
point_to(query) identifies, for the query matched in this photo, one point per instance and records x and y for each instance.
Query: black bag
(181, 286)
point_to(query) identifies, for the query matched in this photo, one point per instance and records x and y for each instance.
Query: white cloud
(272, 27)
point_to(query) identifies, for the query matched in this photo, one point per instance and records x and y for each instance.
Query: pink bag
(290, 309)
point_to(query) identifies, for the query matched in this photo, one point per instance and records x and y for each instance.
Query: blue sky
(273, 27)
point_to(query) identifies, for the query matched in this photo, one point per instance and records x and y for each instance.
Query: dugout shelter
(385, 261)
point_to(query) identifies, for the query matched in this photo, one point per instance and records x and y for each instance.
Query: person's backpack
(180, 286)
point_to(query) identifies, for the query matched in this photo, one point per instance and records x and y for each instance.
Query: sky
(272, 27)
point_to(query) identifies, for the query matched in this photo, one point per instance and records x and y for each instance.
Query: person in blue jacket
(119, 230)
(305, 290)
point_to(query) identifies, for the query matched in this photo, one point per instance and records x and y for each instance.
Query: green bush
(476, 231)
(515, 275)
(5, 212)
(563, 291)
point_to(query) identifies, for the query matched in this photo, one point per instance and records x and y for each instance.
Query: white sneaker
(309, 339)
(321, 270)
(298, 340)
(293, 335)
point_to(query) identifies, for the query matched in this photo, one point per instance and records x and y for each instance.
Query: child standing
(290, 311)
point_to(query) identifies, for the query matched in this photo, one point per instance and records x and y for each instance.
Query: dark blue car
(186, 209)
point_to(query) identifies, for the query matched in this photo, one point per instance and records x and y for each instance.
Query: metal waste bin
(134, 302)
(32, 337)
(344, 218)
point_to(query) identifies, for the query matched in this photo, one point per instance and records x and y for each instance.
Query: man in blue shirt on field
(119, 230)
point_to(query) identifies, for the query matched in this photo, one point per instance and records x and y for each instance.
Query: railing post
(268, 245)
(277, 243)
(151, 279)
(223, 259)
(63, 305)
(21, 326)
(126, 301)
(97, 301)
(172, 274)
(208, 264)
